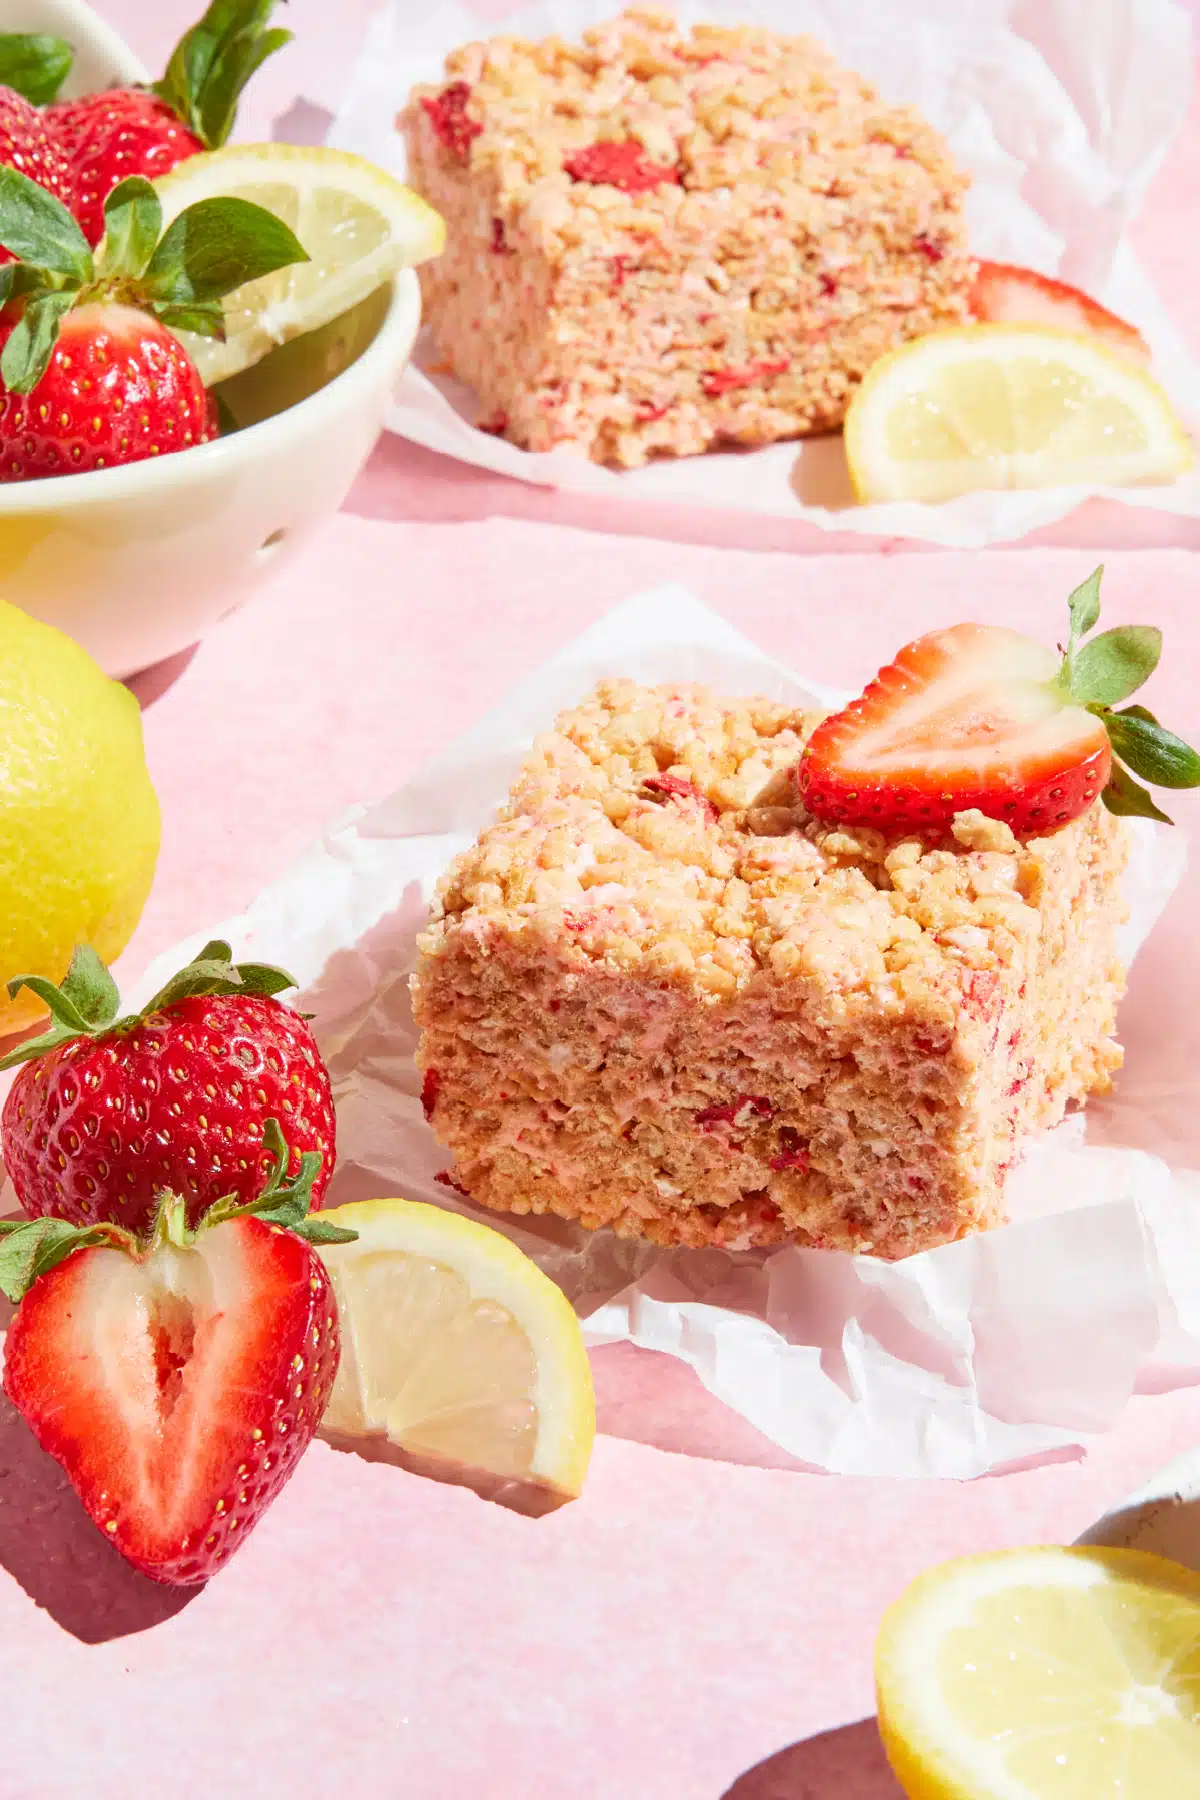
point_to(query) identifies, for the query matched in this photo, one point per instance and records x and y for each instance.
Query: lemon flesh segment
(359, 225)
(456, 1349)
(1008, 406)
(1045, 1674)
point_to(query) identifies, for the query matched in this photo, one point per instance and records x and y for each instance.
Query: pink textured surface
(689, 1628)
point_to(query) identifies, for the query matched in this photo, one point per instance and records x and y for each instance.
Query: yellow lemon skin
(79, 819)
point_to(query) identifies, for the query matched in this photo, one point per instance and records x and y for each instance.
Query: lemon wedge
(1044, 1674)
(359, 225)
(459, 1357)
(1008, 406)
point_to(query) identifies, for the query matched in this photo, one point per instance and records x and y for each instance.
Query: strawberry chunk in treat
(1004, 294)
(448, 116)
(980, 718)
(621, 165)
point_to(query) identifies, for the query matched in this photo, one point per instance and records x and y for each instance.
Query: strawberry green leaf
(219, 102)
(1084, 604)
(316, 1230)
(90, 989)
(85, 1004)
(263, 978)
(32, 1247)
(215, 972)
(38, 228)
(205, 319)
(34, 64)
(19, 278)
(285, 1200)
(212, 62)
(26, 355)
(1114, 665)
(1152, 751)
(1129, 799)
(216, 246)
(132, 224)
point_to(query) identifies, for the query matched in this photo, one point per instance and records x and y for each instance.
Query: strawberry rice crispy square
(660, 242)
(657, 995)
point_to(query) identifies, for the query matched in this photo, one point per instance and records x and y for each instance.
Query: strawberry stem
(1097, 673)
(87, 1002)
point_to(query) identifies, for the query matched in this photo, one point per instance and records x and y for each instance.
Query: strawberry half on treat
(118, 132)
(178, 1377)
(1005, 294)
(109, 1111)
(91, 373)
(980, 717)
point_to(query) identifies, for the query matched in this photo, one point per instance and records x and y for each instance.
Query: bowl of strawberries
(193, 369)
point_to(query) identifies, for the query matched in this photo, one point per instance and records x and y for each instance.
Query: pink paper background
(691, 1629)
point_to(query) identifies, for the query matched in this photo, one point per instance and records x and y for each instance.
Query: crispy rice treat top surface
(656, 125)
(661, 828)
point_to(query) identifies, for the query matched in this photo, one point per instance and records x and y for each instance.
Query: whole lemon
(79, 819)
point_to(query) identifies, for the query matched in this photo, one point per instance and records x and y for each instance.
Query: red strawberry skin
(178, 1390)
(963, 719)
(99, 1127)
(1005, 294)
(29, 142)
(113, 134)
(119, 388)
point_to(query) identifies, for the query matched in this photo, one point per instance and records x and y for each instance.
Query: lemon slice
(1008, 406)
(359, 225)
(1044, 1675)
(459, 1357)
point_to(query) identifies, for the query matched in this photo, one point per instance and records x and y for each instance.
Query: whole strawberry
(91, 373)
(108, 1112)
(178, 1377)
(119, 132)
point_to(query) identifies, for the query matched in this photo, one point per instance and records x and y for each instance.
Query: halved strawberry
(979, 717)
(1005, 294)
(178, 1380)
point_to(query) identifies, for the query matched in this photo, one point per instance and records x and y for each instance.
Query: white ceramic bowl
(137, 563)
(1163, 1515)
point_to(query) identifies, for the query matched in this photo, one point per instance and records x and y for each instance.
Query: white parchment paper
(1062, 112)
(1001, 1347)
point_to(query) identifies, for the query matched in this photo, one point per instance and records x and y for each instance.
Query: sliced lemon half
(1045, 1674)
(1008, 406)
(359, 225)
(459, 1357)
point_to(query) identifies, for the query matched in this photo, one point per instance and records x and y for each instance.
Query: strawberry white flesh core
(162, 1339)
(993, 699)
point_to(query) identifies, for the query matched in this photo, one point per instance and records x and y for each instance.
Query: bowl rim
(377, 365)
(75, 19)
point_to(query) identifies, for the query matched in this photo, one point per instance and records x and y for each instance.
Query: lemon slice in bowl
(459, 1357)
(359, 225)
(1008, 406)
(1044, 1674)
